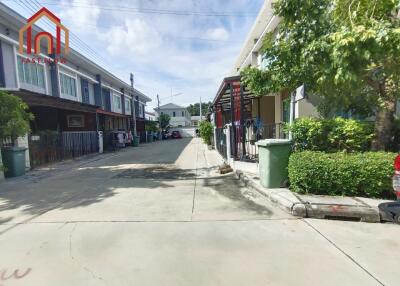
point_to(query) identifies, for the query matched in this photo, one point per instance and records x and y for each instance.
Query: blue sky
(184, 45)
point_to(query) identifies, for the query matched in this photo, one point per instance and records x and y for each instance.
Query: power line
(136, 10)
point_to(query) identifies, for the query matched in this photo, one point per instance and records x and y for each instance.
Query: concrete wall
(9, 65)
(308, 107)
(267, 109)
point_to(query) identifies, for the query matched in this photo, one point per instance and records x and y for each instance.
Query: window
(173, 114)
(140, 110)
(183, 113)
(30, 73)
(128, 106)
(286, 110)
(68, 85)
(116, 102)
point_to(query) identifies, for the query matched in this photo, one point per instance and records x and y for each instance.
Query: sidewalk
(313, 206)
(309, 206)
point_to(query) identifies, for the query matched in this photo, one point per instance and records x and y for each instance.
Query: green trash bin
(13, 161)
(273, 161)
(149, 137)
(135, 141)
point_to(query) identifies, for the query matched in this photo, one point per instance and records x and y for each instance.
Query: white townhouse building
(179, 115)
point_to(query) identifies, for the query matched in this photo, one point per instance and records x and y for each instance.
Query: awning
(223, 97)
(110, 113)
(39, 99)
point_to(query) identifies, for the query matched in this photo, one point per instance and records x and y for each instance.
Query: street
(160, 214)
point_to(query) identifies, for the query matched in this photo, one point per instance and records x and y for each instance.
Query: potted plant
(14, 122)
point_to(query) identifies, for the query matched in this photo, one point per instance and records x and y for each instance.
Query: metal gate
(51, 146)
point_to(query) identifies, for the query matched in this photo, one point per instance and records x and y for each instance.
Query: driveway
(160, 214)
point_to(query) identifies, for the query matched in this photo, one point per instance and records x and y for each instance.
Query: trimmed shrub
(339, 174)
(331, 135)
(206, 131)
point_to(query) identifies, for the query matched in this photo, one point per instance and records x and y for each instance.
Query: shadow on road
(71, 185)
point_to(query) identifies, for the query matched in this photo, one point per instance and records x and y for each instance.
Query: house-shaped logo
(46, 35)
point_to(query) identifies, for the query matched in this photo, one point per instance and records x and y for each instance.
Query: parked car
(176, 135)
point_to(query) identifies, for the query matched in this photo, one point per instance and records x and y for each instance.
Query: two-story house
(73, 94)
(179, 115)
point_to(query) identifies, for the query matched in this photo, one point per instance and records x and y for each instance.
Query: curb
(293, 207)
(296, 206)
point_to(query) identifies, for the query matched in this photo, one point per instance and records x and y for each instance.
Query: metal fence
(248, 134)
(49, 146)
(220, 141)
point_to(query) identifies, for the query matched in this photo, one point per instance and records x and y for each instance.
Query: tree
(164, 121)
(194, 109)
(14, 118)
(346, 51)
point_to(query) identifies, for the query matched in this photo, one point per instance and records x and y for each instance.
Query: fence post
(228, 142)
(215, 138)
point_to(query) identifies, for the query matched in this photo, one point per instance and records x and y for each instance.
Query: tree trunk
(384, 125)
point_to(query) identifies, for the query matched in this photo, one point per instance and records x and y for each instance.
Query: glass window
(28, 76)
(286, 110)
(68, 85)
(117, 102)
(140, 110)
(40, 75)
(127, 106)
(21, 70)
(183, 113)
(30, 73)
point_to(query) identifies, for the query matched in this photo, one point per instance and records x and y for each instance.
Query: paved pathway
(161, 215)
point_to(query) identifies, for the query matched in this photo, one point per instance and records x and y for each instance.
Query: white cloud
(135, 36)
(217, 34)
(80, 13)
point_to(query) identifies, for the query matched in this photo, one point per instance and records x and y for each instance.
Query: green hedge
(357, 174)
(331, 135)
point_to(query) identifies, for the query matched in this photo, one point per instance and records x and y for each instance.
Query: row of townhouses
(74, 98)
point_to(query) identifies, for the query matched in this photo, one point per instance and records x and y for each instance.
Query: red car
(176, 135)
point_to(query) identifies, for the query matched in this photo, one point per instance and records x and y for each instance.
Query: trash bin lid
(273, 142)
(14, 148)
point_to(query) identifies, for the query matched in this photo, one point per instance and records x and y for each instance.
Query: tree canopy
(194, 109)
(164, 121)
(14, 118)
(346, 51)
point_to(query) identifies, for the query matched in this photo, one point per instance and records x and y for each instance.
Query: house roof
(170, 106)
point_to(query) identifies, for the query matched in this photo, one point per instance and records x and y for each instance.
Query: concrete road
(161, 215)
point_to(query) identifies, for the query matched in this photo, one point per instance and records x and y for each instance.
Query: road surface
(160, 214)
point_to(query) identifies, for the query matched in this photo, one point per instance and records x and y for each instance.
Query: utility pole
(134, 104)
(201, 111)
(158, 111)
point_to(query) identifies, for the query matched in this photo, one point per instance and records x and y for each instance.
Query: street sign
(300, 93)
